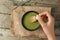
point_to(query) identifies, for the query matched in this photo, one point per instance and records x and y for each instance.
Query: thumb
(39, 18)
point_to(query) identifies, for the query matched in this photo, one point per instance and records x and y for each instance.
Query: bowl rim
(23, 22)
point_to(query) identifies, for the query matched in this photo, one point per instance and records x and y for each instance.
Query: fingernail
(36, 17)
(39, 14)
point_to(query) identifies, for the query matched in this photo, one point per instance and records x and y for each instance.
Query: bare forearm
(51, 37)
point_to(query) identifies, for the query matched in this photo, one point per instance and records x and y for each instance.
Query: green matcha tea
(27, 20)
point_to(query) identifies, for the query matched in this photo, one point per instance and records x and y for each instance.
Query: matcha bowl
(27, 19)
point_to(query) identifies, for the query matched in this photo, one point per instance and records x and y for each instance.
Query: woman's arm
(48, 27)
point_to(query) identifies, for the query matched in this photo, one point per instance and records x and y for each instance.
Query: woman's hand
(48, 27)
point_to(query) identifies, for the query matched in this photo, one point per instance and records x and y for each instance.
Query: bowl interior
(27, 21)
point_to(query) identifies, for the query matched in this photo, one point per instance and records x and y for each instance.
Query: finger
(50, 18)
(40, 20)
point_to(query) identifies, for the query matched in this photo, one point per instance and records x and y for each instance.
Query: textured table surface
(5, 13)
